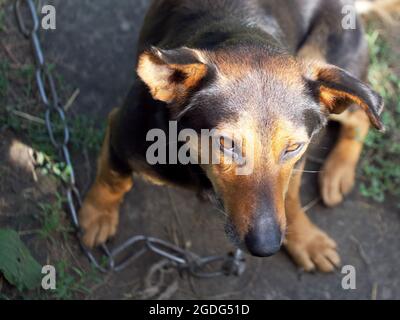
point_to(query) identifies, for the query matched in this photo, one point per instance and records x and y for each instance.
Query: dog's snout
(265, 237)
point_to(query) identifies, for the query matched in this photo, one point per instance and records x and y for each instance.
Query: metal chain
(183, 260)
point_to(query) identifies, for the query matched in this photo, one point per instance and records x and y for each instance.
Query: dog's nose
(265, 237)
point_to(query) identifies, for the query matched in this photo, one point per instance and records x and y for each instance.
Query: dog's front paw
(336, 179)
(312, 249)
(98, 223)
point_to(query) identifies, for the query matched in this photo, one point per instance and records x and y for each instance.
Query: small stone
(125, 26)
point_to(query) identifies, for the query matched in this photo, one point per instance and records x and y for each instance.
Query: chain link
(136, 246)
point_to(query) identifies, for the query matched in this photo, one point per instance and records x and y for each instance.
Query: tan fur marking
(158, 76)
(329, 97)
(312, 51)
(99, 213)
(308, 246)
(239, 192)
(337, 177)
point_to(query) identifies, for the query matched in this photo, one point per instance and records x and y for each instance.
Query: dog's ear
(171, 74)
(336, 90)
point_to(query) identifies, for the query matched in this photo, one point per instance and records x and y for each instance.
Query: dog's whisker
(311, 204)
(184, 111)
(223, 212)
(217, 204)
(307, 171)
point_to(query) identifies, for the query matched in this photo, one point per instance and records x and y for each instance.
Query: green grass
(84, 134)
(73, 281)
(27, 73)
(52, 217)
(380, 165)
(4, 71)
(4, 297)
(2, 17)
(18, 92)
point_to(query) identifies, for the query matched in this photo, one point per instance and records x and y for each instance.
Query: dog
(273, 72)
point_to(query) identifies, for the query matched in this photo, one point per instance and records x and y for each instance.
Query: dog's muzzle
(265, 238)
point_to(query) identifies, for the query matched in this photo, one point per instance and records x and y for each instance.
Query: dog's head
(266, 107)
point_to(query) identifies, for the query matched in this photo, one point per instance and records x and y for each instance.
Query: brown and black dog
(271, 71)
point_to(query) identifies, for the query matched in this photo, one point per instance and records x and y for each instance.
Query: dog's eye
(292, 151)
(293, 147)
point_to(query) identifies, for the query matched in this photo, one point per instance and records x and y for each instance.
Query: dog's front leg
(338, 173)
(310, 247)
(99, 214)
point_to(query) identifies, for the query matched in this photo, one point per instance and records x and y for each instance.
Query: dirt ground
(93, 48)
